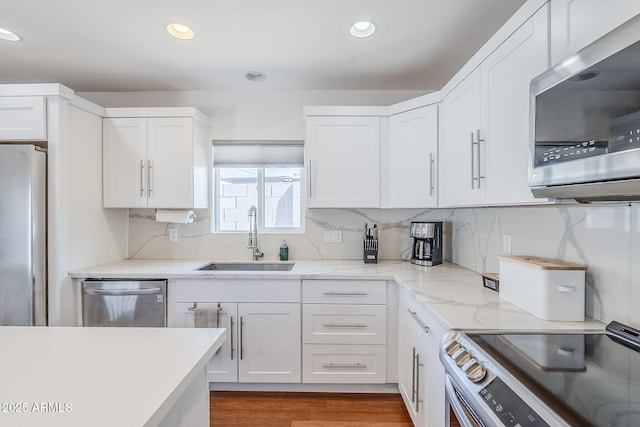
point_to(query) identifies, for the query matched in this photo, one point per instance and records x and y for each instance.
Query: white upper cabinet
(505, 78)
(342, 157)
(412, 155)
(459, 139)
(155, 162)
(23, 118)
(485, 123)
(577, 23)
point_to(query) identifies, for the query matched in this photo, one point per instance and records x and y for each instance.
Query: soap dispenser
(284, 251)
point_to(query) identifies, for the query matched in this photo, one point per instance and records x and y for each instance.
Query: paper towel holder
(178, 216)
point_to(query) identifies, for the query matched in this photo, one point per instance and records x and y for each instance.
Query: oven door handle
(456, 405)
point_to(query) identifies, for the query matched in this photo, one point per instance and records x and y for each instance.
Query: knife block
(370, 251)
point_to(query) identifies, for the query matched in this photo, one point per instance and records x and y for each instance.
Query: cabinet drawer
(344, 291)
(353, 364)
(344, 324)
(421, 319)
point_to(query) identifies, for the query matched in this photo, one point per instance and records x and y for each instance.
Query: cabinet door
(170, 162)
(410, 374)
(124, 149)
(506, 75)
(460, 124)
(223, 366)
(342, 161)
(269, 340)
(412, 156)
(587, 20)
(23, 118)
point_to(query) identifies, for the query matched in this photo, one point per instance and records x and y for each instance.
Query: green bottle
(284, 251)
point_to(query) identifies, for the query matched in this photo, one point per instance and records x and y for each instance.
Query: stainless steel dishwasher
(124, 303)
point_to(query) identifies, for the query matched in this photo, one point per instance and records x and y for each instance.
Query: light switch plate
(333, 236)
(506, 243)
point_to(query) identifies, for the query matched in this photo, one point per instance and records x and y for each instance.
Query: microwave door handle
(456, 405)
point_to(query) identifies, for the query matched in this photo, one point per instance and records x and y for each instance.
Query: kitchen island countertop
(451, 292)
(66, 376)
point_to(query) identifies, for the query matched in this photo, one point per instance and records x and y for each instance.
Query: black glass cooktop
(590, 379)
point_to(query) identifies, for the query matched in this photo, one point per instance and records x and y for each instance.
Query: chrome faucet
(253, 234)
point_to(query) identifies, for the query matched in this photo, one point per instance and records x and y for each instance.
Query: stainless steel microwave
(585, 122)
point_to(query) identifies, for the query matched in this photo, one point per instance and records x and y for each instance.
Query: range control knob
(462, 358)
(476, 372)
(452, 347)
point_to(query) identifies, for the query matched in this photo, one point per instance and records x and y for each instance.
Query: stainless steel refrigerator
(23, 244)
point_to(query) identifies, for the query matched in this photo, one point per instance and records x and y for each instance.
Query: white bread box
(547, 288)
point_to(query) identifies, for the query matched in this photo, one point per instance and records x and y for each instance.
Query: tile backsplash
(606, 238)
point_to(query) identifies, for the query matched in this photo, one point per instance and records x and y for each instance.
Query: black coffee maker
(426, 243)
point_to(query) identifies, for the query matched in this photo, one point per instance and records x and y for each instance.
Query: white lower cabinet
(420, 373)
(263, 338)
(344, 331)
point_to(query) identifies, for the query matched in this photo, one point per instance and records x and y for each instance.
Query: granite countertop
(58, 376)
(451, 292)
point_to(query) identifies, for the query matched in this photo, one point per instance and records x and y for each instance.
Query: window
(267, 176)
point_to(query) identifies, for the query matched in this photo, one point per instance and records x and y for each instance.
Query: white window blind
(258, 153)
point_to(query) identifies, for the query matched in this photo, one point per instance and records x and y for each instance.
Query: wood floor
(244, 409)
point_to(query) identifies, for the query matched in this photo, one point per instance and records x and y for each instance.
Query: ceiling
(121, 45)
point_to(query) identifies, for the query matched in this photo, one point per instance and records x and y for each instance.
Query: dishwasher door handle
(122, 292)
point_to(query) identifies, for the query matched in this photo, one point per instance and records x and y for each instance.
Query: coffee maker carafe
(426, 243)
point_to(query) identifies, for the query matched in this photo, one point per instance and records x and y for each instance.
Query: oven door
(466, 415)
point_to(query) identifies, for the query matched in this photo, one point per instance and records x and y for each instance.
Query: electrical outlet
(174, 235)
(506, 243)
(333, 236)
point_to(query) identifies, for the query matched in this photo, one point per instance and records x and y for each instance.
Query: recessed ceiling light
(363, 29)
(9, 35)
(255, 76)
(179, 30)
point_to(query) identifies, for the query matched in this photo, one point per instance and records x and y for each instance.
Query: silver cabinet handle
(345, 294)
(431, 165)
(344, 325)
(418, 365)
(122, 292)
(413, 376)
(480, 176)
(424, 327)
(241, 341)
(344, 365)
(231, 336)
(141, 178)
(149, 176)
(473, 176)
(310, 180)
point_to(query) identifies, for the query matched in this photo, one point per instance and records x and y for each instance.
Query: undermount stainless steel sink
(247, 266)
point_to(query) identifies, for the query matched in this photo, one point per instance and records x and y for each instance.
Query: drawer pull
(344, 325)
(344, 365)
(345, 294)
(424, 327)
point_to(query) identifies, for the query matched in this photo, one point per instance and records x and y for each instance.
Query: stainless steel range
(544, 378)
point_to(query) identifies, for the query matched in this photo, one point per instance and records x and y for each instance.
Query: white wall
(251, 114)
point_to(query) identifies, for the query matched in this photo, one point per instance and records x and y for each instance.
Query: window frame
(260, 183)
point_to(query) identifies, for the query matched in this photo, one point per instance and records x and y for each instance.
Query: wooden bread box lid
(543, 263)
